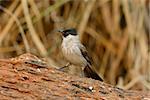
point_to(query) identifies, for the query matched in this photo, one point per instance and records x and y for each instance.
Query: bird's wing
(88, 70)
(85, 54)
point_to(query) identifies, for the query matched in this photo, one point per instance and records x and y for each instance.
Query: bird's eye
(66, 34)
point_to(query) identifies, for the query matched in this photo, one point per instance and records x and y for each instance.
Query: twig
(32, 31)
(85, 17)
(20, 27)
(9, 25)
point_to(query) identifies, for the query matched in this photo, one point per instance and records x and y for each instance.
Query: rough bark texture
(27, 77)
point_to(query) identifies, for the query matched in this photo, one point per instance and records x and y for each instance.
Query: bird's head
(68, 32)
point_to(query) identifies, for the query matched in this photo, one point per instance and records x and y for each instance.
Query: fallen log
(27, 77)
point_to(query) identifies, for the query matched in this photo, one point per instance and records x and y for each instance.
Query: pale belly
(74, 56)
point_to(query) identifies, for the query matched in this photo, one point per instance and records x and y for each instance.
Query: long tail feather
(90, 73)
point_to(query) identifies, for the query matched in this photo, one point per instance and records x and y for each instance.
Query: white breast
(71, 50)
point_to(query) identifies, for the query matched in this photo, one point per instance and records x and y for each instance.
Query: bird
(75, 53)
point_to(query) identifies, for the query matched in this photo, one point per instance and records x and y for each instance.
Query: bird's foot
(67, 65)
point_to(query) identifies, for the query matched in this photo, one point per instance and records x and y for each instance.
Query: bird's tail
(90, 73)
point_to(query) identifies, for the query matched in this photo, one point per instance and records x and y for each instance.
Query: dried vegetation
(115, 32)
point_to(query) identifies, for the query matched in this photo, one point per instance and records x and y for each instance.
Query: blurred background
(116, 34)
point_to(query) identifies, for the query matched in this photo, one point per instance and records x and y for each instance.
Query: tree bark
(29, 78)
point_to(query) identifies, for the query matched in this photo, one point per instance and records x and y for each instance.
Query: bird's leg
(82, 72)
(67, 65)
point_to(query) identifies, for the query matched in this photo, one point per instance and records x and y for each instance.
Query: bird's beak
(61, 31)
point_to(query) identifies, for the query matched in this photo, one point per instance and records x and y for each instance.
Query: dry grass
(115, 32)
